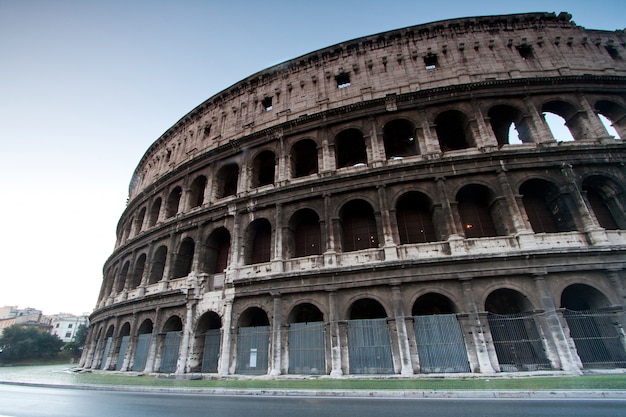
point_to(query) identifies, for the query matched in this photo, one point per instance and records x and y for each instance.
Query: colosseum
(394, 204)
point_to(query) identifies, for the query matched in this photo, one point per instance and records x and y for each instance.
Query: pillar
(276, 343)
(335, 337)
(406, 367)
(476, 328)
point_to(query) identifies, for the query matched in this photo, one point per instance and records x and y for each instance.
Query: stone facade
(395, 204)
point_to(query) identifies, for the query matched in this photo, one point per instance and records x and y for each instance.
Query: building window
(525, 51)
(68, 334)
(430, 61)
(343, 80)
(69, 326)
(267, 103)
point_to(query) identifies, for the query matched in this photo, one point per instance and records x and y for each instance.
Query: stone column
(183, 354)
(450, 231)
(537, 124)
(429, 145)
(401, 332)
(277, 261)
(152, 351)
(476, 329)
(330, 255)
(225, 353)
(557, 347)
(276, 343)
(388, 243)
(335, 336)
(132, 340)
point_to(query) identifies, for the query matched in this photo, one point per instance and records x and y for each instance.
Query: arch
(305, 234)
(259, 242)
(173, 324)
(208, 341)
(556, 112)
(196, 191)
(139, 220)
(227, 180)
(140, 265)
(438, 335)
(124, 339)
(399, 139)
(593, 327)
(304, 158)
(453, 131)
(253, 342)
(350, 149)
(158, 264)
(474, 203)
(369, 340)
(366, 308)
(263, 169)
(414, 218)
(306, 335)
(155, 209)
(173, 202)
(142, 347)
(514, 332)
(546, 207)
(121, 279)
(358, 223)
(184, 258)
(107, 347)
(170, 342)
(615, 115)
(509, 125)
(607, 201)
(217, 251)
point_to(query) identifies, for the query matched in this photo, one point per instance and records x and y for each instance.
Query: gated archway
(307, 353)
(172, 330)
(253, 339)
(208, 341)
(125, 338)
(144, 336)
(369, 342)
(593, 327)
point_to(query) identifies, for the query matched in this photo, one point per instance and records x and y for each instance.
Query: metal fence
(252, 350)
(597, 339)
(120, 356)
(307, 348)
(107, 347)
(517, 342)
(141, 352)
(369, 347)
(169, 357)
(440, 344)
(211, 351)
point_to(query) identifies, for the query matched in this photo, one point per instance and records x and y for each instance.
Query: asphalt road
(27, 401)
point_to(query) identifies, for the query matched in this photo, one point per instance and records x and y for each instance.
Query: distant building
(10, 315)
(64, 325)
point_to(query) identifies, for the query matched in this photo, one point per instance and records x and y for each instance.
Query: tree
(27, 342)
(76, 345)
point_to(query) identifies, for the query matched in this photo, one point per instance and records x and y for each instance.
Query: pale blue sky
(87, 86)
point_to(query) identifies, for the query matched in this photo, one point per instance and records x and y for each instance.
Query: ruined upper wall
(445, 53)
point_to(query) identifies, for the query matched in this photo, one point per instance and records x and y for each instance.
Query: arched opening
(123, 345)
(139, 220)
(564, 121)
(158, 264)
(184, 258)
(593, 327)
(253, 338)
(546, 207)
(509, 125)
(414, 219)
(208, 341)
(172, 335)
(304, 232)
(227, 179)
(259, 240)
(350, 148)
(196, 191)
(263, 169)
(107, 347)
(613, 117)
(154, 212)
(307, 351)
(399, 139)
(438, 335)
(217, 251)
(140, 265)
(173, 201)
(453, 131)
(514, 332)
(607, 202)
(144, 336)
(369, 341)
(474, 207)
(304, 158)
(358, 226)
(121, 279)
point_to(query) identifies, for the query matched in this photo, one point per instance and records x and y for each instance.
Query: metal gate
(211, 351)
(141, 352)
(517, 342)
(252, 350)
(120, 357)
(369, 347)
(107, 347)
(171, 344)
(440, 344)
(307, 348)
(596, 338)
